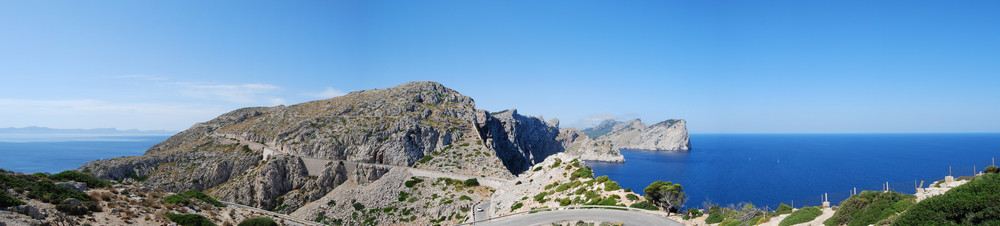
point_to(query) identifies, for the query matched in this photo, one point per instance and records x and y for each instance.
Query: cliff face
(520, 141)
(669, 135)
(579, 145)
(282, 158)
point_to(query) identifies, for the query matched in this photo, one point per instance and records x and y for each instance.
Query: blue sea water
(53, 154)
(767, 169)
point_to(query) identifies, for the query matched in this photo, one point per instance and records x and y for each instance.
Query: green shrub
(714, 216)
(425, 159)
(563, 187)
(730, 222)
(471, 182)
(611, 186)
(8, 201)
(464, 197)
(203, 197)
(80, 208)
(540, 196)
(176, 199)
(403, 196)
(517, 205)
(413, 181)
(358, 206)
(973, 203)
(556, 164)
(536, 169)
(644, 205)
(608, 202)
(258, 221)
(783, 209)
(70, 175)
(803, 215)
(190, 220)
(870, 207)
(602, 179)
(632, 197)
(992, 169)
(565, 202)
(583, 172)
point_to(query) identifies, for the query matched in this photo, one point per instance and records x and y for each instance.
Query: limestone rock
(583, 147)
(78, 186)
(519, 141)
(669, 135)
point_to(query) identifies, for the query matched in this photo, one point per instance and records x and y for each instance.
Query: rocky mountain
(583, 147)
(604, 128)
(295, 159)
(668, 135)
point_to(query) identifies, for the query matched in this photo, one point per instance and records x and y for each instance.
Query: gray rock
(71, 201)
(30, 211)
(579, 145)
(519, 141)
(78, 186)
(669, 135)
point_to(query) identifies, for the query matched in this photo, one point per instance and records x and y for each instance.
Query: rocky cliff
(286, 157)
(669, 135)
(583, 147)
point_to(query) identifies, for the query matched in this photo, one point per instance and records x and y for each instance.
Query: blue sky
(725, 66)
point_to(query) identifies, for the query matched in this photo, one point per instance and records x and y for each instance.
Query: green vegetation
(516, 205)
(611, 186)
(695, 213)
(8, 201)
(540, 197)
(42, 188)
(258, 221)
(71, 175)
(425, 159)
(358, 206)
(644, 205)
(185, 198)
(992, 169)
(665, 194)
(632, 197)
(536, 169)
(196, 194)
(870, 207)
(464, 197)
(783, 209)
(584, 172)
(471, 182)
(190, 220)
(556, 164)
(403, 196)
(803, 215)
(714, 215)
(974, 203)
(173, 199)
(413, 181)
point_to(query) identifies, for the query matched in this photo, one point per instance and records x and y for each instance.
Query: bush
(783, 209)
(464, 197)
(536, 169)
(471, 182)
(556, 164)
(190, 220)
(973, 203)
(730, 222)
(8, 201)
(258, 221)
(176, 199)
(358, 206)
(584, 172)
(608, 202)
(540, 196)
(870, 207)
(70, 175)
(413, 181)
(992, 169)
(80, 208)
(644, 205)
(714, 216)
(203, 197)
(632, 197)
(425, 159)
(602, 179)
(517, 205)
(403, 196)
(611, 186)
(803, 215)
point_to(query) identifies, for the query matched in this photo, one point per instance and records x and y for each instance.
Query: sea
(33, 153)
(802, 169)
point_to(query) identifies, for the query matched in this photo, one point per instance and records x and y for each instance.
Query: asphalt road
(604, 215)
(481, 215)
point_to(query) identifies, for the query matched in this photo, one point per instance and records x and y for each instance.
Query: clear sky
(725, 66)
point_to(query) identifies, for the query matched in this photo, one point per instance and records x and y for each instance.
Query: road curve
(604, 215)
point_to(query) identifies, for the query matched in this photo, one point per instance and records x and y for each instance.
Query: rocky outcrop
(519, 141)
(669, 135)
(579, 145)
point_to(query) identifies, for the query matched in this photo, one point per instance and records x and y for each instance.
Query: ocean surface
(767, 169)
(54, 154)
